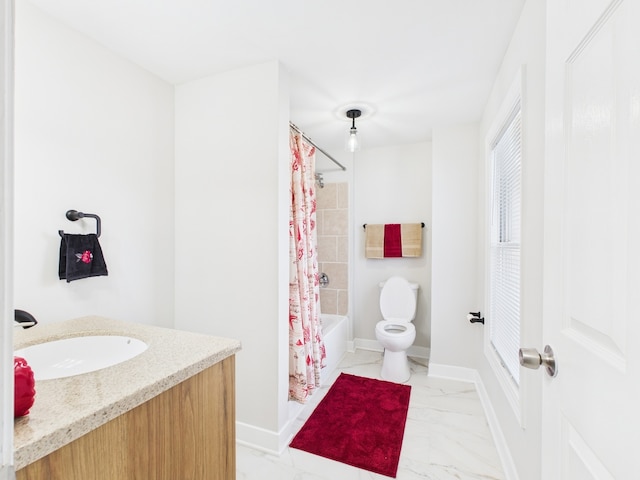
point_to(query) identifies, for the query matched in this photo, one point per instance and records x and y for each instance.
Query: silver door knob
(530, 358)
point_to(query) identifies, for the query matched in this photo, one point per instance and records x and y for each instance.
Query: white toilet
(396, 333)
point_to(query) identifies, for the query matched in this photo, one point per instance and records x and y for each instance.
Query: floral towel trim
(84, 257)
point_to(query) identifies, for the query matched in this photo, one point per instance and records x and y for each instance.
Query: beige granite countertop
(67, 408)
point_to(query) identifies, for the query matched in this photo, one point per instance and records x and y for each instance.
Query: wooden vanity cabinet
(185, 433)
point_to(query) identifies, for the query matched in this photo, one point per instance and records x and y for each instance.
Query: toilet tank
(398, 299)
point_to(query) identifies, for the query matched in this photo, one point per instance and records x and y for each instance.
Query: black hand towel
(80, 257)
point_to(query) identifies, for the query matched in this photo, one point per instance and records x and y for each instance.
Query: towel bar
(74, 215)
(365, 225)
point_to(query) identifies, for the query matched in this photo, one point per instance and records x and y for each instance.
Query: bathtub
(335, 330)
(335, 335)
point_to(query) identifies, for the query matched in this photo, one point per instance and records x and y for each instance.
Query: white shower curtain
(306, 348)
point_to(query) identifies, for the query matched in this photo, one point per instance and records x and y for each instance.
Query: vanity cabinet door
(187, 432)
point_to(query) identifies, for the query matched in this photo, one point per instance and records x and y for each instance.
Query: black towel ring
(74, 215)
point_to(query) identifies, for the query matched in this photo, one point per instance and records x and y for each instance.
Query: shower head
(319, 180)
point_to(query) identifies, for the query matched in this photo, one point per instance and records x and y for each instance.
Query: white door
(591, 419)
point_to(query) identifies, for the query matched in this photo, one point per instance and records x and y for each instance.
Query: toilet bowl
(396, 333)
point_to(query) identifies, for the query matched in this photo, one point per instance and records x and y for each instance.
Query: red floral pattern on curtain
(307, 353)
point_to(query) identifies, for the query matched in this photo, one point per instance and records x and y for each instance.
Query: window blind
(504, 264)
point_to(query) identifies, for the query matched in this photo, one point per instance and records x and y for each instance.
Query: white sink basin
(76, 355)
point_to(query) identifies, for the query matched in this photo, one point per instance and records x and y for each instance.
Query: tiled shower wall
(332, 209)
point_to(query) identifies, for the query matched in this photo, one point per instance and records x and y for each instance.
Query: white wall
(526, 51)
(454, 341)
(6, 241)
(391, 185)
(96, 133)
(232, 277)
(93, 133)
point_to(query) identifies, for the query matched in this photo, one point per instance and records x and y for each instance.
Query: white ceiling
(411, 64)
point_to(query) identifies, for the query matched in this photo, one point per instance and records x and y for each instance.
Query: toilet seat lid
(398, 300)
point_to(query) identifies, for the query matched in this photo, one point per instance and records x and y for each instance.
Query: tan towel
(374, 243)
(411, 239)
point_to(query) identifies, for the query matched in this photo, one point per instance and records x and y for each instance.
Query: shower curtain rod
(295, 127)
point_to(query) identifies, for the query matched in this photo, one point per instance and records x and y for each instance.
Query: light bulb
(352, 140)
(352, 143)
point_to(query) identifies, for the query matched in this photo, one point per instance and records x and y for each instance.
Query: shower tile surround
(332, 222)
(446, 435)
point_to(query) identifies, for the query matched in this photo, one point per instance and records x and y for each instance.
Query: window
(504, 255)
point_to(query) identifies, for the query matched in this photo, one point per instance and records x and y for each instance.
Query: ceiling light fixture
(352, 140)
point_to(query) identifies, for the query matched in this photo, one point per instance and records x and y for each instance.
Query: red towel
(392, 240)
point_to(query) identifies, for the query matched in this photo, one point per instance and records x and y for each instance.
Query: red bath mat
(359, 422)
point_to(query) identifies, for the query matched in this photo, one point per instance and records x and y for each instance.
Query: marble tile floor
(446, 435)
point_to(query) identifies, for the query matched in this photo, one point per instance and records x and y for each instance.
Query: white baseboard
(274, 442)
(452, 372)
(267, 441)
(258, 438)
(498, 437)
(471, 375)
(365, 344)
(374, 345)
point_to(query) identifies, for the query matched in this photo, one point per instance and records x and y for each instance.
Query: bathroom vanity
(168, 413)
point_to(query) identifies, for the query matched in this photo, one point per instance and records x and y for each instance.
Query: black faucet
(25, 319)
